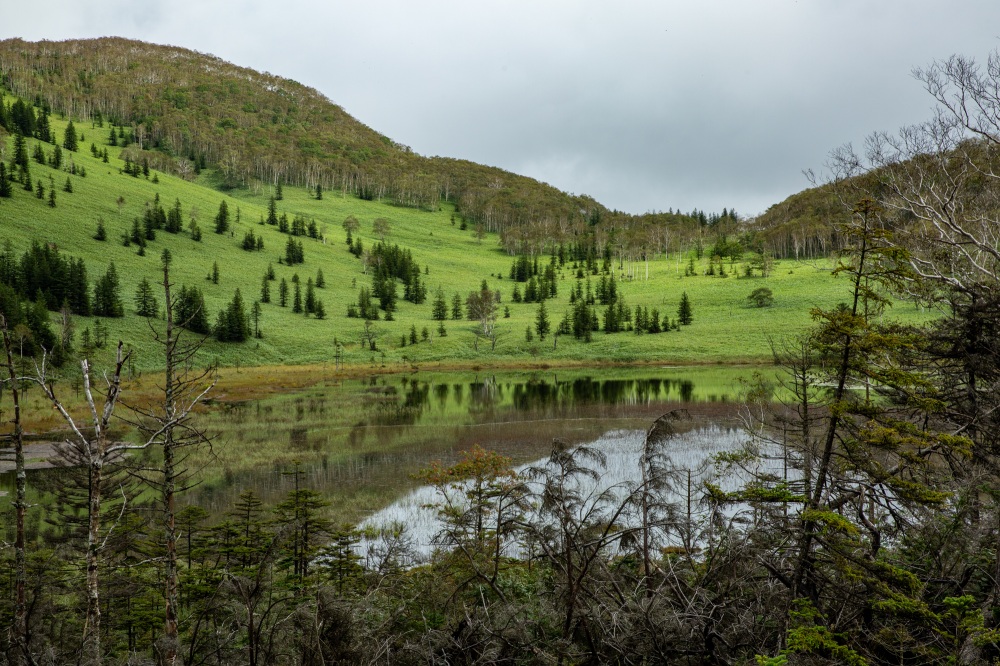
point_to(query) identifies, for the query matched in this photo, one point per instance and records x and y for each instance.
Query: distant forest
(179, 111)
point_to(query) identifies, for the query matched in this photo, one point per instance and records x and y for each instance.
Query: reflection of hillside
(361, 439)
(486, 399)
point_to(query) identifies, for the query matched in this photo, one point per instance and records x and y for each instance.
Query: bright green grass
(724, 328)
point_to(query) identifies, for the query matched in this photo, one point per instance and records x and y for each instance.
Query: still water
(358, 442)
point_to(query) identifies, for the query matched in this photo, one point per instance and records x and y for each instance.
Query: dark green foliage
(222, 218)
(5, 187)
(439, 311)
(365, 308)
(320, 280)
(107, 297)
(297, 299)
(283, 293)
(145, 300)
(265, 290)
(69, 138)
(189, 310)
(309, 304)
(101, 234)
(20, 158)
(761, 297)
(272, 212)
(68, 187)
(33, 316)
(252, 242)
(542, 325)
(233, 324)
(684, 313)
(42, 273)
(175, 220)
(294, 252)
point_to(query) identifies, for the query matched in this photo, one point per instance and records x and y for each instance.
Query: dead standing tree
(91, 444)
(19, 640)
(168, 426)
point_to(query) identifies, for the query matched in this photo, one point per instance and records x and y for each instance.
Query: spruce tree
(69, 138)
(107, 300)
(145, 301)
(297, 300)
(265, 290)
(310, 300)
(283, 293)
(232, 324)
(440, 309)
(542, 325)
(222, 218)
(684, 313)
(5, 189)
(272, 213)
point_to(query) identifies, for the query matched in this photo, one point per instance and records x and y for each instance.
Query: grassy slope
(724, 330)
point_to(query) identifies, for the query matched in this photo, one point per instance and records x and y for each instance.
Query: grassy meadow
(725, 328)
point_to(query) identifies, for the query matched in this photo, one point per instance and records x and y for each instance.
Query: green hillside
(725, 328)
(172, 136)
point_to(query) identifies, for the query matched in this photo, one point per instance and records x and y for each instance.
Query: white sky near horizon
(644, 105)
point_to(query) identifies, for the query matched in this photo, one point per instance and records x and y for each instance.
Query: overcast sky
(643, 105)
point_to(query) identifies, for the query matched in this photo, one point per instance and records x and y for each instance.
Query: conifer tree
(5, 188)
(232, 324)
(145, 301)
(265, 290)
(69, 138)
(310, 300)
(222, 218)
(440, 309)
(684, 313)
(283, 293)
(542, 325)
(107, 300)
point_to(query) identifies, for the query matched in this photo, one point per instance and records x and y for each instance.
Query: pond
(359, 441)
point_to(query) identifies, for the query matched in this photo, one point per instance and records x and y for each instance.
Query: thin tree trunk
(169, 484)
(21, 650)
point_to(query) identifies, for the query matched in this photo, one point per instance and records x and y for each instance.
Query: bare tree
(170, 428)
(93, 445)
(22, 654)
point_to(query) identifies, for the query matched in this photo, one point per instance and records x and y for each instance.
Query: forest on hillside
(876, 544)
(185, 110)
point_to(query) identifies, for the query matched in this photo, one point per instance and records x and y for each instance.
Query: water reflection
(360, 440)
(409, 399)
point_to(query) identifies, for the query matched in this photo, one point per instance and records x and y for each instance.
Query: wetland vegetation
(204, 507)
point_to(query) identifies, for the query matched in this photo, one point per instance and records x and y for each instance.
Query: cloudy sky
(645, 105)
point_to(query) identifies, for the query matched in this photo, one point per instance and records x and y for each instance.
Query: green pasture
(725, 328)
